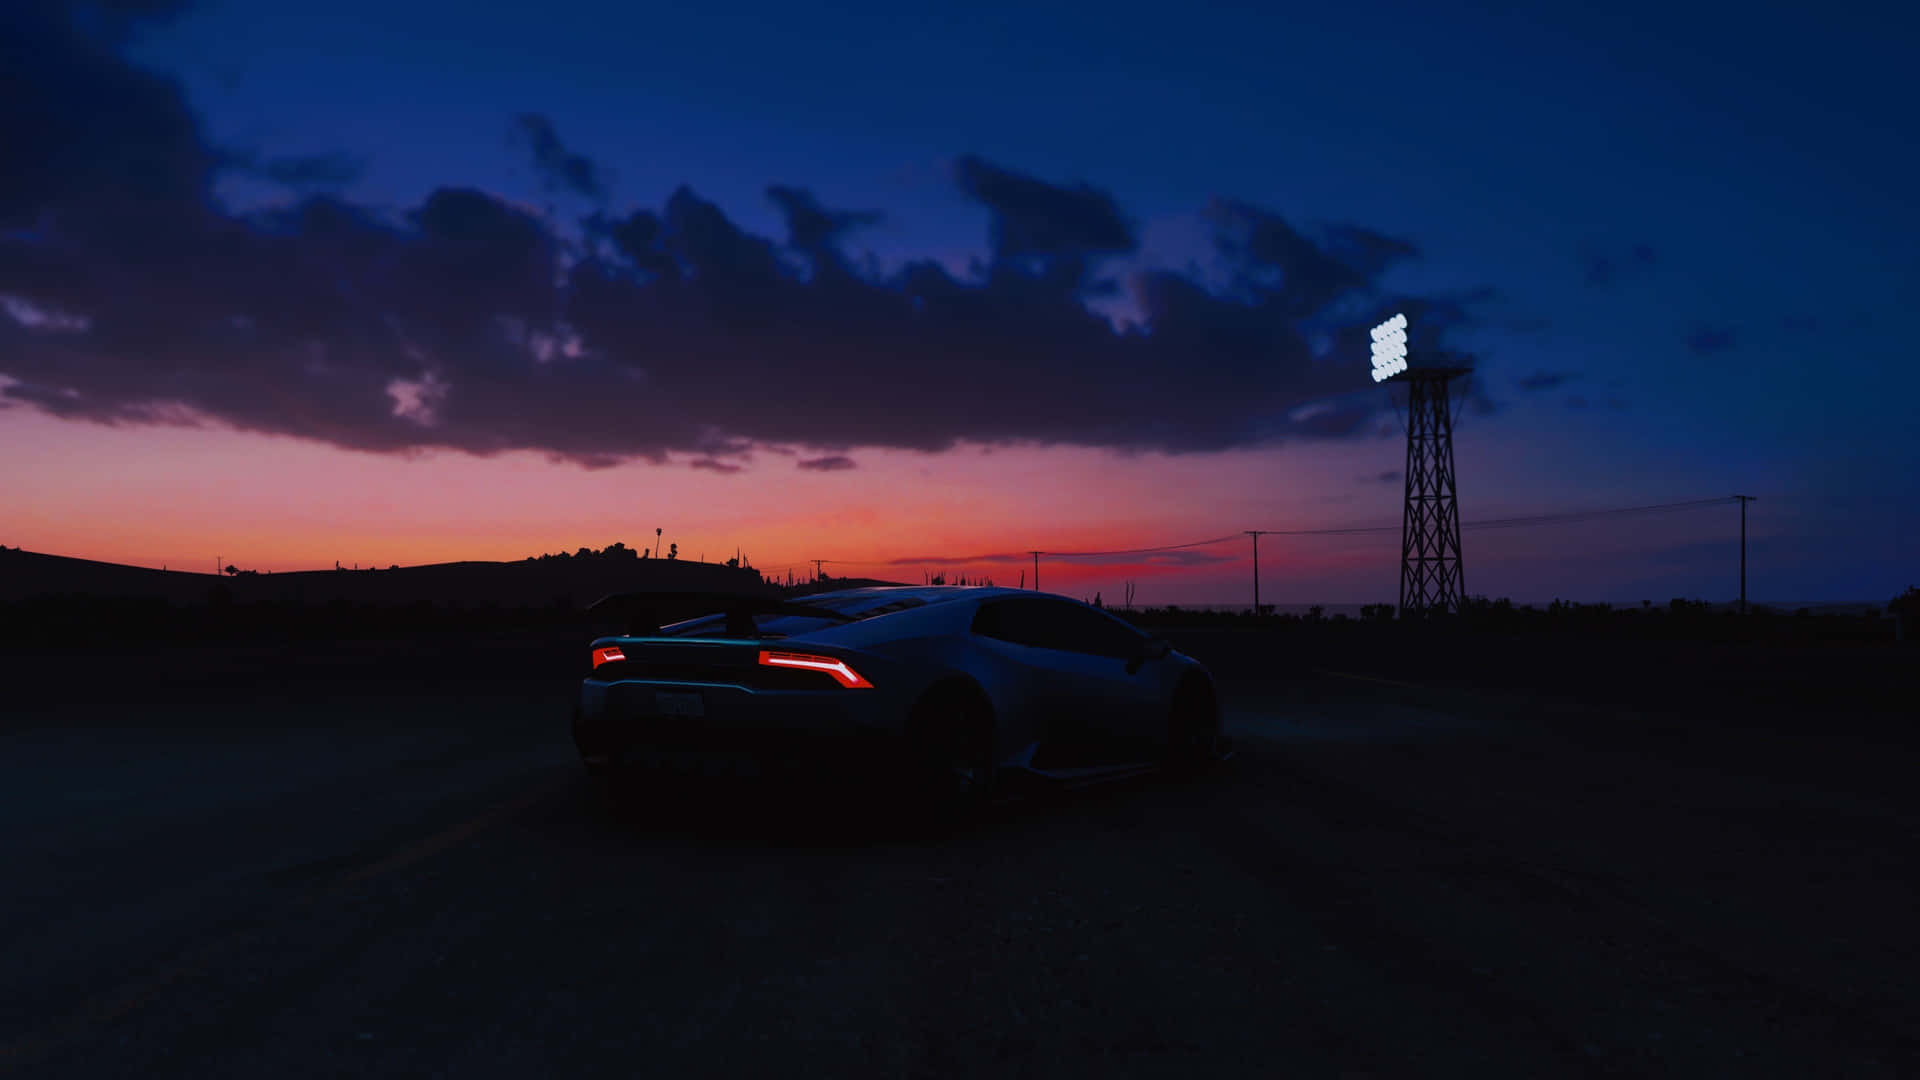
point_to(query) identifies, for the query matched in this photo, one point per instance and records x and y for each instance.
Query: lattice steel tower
(1431, 581)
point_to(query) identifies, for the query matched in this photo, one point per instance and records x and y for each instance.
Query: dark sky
(633, 237)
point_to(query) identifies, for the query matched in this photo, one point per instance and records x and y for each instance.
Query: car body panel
(1056, 711)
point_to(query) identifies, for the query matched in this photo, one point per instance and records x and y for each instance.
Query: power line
(1557, 517)
(1142, 551)
(1515, 522)
(1590, 515)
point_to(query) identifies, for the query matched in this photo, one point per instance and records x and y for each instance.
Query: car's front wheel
(1193, 726)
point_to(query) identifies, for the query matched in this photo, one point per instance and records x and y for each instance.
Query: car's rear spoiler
(642, 613)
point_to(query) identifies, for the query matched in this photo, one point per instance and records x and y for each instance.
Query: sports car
(960, 691)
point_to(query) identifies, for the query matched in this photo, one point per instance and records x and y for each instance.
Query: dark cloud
(714, 465)
(1390, 476)
(1707, 341)
(558, 166)
(131, 295)
(833, 463)
(811, 227)
(1544, 380)
(1605, 268)
(1034, 218)
(1365, 250)
(304, 172)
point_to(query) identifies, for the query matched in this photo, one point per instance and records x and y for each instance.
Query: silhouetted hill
(28, 574)
(573, 582)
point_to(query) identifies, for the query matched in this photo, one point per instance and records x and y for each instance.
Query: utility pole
(1256, 534)
(816, 568)
(1036, 569)
(1744, 500)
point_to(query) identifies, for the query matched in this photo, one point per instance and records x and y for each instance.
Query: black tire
(952, 735)
(1193, 727)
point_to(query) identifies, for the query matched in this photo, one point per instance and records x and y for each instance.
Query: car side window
(1084, 630)
(987, 621)
(1046, 623)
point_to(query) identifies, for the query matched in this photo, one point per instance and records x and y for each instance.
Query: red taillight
(607, 654)
(833, 666)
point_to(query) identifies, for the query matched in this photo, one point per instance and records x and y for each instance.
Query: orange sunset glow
(179, 497)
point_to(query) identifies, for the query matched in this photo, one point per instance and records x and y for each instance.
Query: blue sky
(1696, 214)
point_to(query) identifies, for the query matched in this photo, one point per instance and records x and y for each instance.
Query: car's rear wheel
(1193, 726)
(952, 736)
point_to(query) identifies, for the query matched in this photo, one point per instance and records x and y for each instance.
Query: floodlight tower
(1431, 580)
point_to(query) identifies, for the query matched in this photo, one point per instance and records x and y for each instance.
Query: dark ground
(380, 860)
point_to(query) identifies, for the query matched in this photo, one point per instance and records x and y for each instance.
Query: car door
(1131, 721)
(1040, 687)
(1072, 666)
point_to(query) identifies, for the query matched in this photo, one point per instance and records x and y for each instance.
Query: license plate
(669, 703)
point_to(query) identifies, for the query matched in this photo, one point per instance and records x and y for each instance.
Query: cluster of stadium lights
(1389, 348)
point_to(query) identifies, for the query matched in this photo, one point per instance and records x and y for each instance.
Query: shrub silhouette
(1907, 603)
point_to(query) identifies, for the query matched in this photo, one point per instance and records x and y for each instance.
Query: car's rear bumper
(618, 724)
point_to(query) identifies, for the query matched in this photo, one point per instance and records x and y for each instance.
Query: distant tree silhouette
(1905, 610)
(734, 562)
(673, 551)
(234, 571)
(1907, 603)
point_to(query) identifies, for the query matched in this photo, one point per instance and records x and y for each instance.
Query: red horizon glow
(180, 496)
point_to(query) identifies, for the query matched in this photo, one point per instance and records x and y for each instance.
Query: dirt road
(392, 878)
